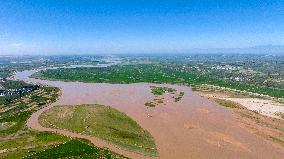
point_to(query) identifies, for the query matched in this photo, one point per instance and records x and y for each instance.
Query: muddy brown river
(195, 127)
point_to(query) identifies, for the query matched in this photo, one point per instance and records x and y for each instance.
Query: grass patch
(150, 104)
(74, 149)
(28, 142)
(157, 91)
(18, 119)
(48, 137)
(103, 122)
(227, 103)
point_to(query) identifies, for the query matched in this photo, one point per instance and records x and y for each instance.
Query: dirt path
(195, 127)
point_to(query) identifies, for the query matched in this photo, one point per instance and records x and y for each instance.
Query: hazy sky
(138, 26)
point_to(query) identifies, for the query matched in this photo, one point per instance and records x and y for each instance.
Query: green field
(151, 73)
(31, 101)
(28, 142)
(15, 113)
(103, 122)
(74, 148)
(10, 84)
(16, 140)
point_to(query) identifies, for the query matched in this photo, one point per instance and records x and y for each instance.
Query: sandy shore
(263, 106)
(195, 127)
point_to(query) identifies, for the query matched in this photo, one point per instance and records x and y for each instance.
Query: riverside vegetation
(17, 141)
(151, 73)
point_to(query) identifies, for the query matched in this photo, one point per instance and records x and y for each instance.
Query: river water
(195, 127)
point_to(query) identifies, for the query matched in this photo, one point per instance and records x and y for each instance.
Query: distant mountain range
(262, 49)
